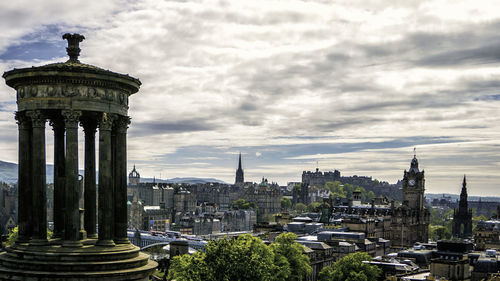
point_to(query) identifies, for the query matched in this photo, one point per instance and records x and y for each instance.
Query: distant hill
(8, 174)
(189, 180)
(454, 197)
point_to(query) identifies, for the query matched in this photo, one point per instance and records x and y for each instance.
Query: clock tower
(414, 186)
(410, 221)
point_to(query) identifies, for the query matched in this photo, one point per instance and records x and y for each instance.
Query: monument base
(90, 262)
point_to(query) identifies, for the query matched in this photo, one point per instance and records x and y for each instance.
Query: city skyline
(350, 85)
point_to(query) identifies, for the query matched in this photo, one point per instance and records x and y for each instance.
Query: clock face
(411, 182)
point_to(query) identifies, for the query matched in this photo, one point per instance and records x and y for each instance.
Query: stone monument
(67, 95)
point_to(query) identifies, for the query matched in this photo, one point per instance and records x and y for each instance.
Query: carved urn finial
(73, 45)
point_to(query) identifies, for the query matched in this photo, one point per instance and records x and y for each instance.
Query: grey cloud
(467, 127)
(248, 106)
(181, 126)
(481, 55)
(473, 44)
(331, 125)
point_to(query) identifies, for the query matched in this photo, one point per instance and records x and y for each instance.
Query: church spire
(463, 215)
(239, 162)
(463, 194)
(239, 172)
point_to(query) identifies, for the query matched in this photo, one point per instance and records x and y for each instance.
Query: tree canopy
(439, 232)
(339, 190)
(242, 204)
(14, 233)
(243, 258)
(285, 248)
(300, 207)
(285, 203)
(351, 268)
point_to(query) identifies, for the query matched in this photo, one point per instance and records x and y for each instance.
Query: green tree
(242, 204)
(326, 274)
(351, 268)
(285, 203)
(336, 189)
(241, 258)
(14, 232)
(439, 232)
(314, 207)
(286, 249)
(12, 237)
(188, 267)
(300, 207)
(367, 196)
(476, 219)
(297, 187)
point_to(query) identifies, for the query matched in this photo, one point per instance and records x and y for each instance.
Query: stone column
(59, 176)
(71, 212)
(120, 148)
(89, 127)
(24, 187)
(39, 188)
(106, 206)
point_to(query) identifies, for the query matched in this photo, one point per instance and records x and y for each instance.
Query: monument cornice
(79, 75)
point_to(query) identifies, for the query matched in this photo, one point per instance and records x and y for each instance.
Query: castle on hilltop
(319, 178)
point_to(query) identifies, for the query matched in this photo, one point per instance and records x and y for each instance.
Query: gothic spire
(463, 196)
(464, 189)
(239, 172)
(239, 162)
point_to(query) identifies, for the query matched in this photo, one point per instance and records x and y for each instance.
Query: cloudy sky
(351, 85)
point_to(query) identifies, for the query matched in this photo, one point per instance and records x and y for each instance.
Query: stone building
(220, 194)
(320, 255)
(487, 235)
(462, 217)
(135, 214)
(266, 196)
(205, 225)
(184, 201)
(239, 220)
(300, 194)
(156, 218)
(451, 260)
(8, 208)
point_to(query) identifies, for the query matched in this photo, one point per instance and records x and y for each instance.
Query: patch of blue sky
(488, 98)
(279, 154)
(7, 106)
(43, 44)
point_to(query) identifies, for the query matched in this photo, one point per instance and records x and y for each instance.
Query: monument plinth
(69, 95)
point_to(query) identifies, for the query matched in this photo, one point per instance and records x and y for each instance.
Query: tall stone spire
(463, 195)
(239, 173)
(462, 217)
(239, 162)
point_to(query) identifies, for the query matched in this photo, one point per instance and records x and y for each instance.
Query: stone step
(89, 254)
(136, 274)
(84, 265)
